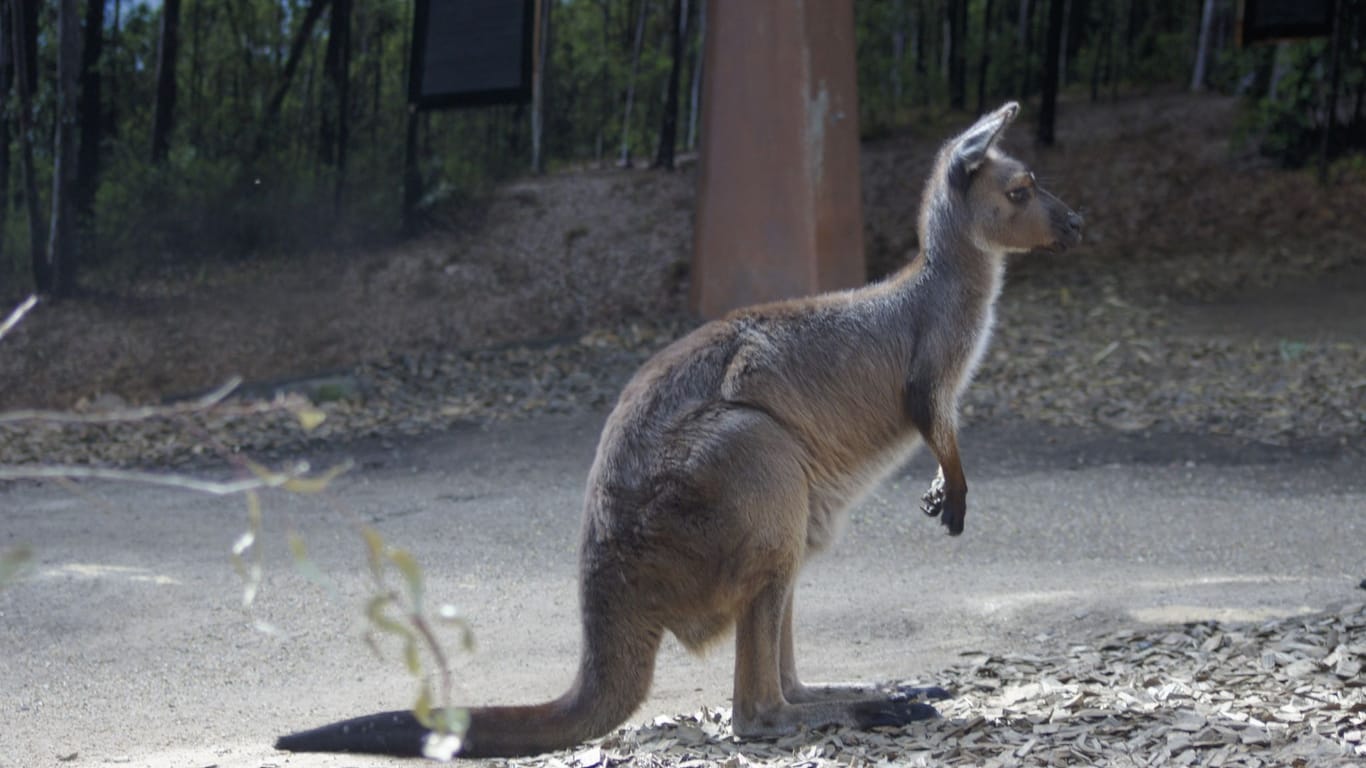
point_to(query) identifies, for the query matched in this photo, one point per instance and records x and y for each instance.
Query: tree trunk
(296, 49)
(1280, 67)
(1334, 83)
(625, 159)
(89, 116)
(921, 38)
(1048, 106)
(1103, 50)
(1026, 37)
(26, 24)
(985, 62)
(111, 118)
(197, 119)
(1078, 14)
(334, 127)
(163, 113)
(668, 126)
(412, 175)
(376, 81)
(6, 82)
(898, 51)
(695, 99)
(26, 41)
(62, 252)
(538, 86)
(1202, 47)
(958, 53)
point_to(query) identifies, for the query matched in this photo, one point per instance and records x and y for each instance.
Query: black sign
(470, 53)
(1281, 19)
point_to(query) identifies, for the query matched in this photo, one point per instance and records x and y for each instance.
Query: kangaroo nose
(1075, 221)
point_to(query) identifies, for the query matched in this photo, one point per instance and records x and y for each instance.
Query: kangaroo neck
(952, 282)
(940, 311)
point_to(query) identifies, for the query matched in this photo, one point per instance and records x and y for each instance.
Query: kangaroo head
(1001, 207)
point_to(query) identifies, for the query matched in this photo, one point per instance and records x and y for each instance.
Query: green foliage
(1287, 126)
(242, 180)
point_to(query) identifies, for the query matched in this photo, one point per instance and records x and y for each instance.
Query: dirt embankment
(1213, 293)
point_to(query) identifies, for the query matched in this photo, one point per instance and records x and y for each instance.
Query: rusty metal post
(778, 212)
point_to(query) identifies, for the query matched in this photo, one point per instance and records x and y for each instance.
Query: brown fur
(733, 455)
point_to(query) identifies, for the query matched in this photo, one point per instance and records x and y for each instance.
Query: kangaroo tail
(387, 733)
(614, 677)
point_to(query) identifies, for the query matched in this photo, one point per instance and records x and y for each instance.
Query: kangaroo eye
(1018, 195)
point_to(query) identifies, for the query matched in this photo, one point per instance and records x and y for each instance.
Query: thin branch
(154, 411)
(434, 647)
(17, 315)
(184, 482)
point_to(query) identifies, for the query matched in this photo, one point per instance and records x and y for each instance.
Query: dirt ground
(1176, 215)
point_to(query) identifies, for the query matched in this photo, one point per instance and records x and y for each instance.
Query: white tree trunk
(1279, 66)
(1202, 48)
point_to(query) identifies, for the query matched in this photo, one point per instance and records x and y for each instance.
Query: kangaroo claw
(936, 503)
(932, 502)
(892, 713)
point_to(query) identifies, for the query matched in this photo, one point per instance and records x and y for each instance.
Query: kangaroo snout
(1075, 223)
(1069, 229)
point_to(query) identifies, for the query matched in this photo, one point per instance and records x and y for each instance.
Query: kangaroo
(734, 454)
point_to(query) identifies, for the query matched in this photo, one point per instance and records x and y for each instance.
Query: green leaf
(449, 616)
(374, 611)
(306, 567)
(454, 720)
(412, 658)
(374, 552)
(251, 572)
(310, 417)
(412, 575)
(422, 708)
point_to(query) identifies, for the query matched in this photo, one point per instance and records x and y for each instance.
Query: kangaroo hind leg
(762, 710)
(797, 692)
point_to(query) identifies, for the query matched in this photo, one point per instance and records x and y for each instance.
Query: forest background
(140, 136)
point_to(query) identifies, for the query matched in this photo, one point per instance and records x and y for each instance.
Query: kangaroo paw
(932, 502)
(912, 693)
(937, 503)
(892, 712)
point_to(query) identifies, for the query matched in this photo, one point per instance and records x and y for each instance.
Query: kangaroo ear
(970, 149)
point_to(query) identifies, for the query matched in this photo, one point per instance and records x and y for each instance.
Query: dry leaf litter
(1288, 692)
(1105, 364)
